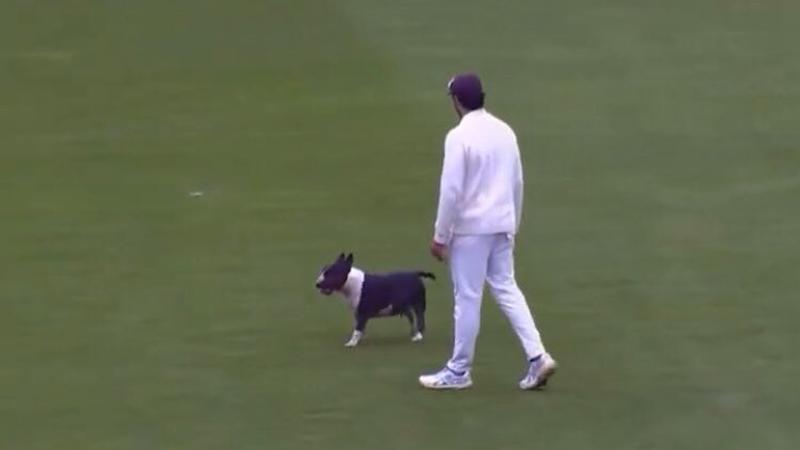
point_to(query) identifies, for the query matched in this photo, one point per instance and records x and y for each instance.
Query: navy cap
(467, 89)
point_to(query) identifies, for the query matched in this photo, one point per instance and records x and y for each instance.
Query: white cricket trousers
(475, 260)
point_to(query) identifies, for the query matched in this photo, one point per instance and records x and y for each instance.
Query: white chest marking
(352, 288)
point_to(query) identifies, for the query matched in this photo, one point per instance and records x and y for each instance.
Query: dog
(376, 295)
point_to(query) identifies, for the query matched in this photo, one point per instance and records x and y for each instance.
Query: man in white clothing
(480, 208)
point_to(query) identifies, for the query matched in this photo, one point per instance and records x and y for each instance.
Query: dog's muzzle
(324, 291)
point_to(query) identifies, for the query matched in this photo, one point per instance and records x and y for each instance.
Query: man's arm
(450, 189)
(519, 188)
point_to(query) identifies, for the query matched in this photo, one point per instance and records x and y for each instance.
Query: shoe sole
(543, 378)
(449, 387)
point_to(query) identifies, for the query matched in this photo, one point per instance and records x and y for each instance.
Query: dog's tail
(426, 275)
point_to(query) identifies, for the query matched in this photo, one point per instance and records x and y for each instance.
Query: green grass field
(660, 250)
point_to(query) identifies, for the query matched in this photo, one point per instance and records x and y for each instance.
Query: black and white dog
(376, 295)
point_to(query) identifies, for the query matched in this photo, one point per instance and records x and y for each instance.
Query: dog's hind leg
(419, 312)
(409, 314)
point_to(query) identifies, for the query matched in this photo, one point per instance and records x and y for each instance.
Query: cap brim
(450, 86)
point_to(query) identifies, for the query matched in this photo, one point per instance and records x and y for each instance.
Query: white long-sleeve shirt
(482, 184)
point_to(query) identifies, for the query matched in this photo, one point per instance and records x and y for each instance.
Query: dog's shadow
(369, 341)
(387, 341)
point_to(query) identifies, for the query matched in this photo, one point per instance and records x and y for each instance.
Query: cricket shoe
(538, 373)
(446, 379)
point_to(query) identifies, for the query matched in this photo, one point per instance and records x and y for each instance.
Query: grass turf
(659, 250)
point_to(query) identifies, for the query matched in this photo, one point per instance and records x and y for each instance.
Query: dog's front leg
(354, 338)
(358, 332)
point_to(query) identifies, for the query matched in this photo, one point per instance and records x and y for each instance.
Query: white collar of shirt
(473, 114)
(352, 287)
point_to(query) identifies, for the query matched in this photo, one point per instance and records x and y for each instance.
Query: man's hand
(438, 250)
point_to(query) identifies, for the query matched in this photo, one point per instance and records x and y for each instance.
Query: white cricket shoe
(417, 337)
(538, 373)
(446, 379)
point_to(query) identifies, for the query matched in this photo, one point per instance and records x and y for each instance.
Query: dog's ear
(349, 258)
(341, 256)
